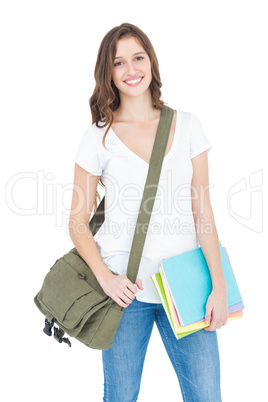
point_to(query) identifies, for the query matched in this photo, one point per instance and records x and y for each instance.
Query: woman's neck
(136, 109)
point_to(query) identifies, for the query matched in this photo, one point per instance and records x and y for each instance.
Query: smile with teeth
(134, 81)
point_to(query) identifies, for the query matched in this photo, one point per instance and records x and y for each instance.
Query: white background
(213, 63)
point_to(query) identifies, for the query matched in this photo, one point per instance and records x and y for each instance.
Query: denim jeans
(195, 357)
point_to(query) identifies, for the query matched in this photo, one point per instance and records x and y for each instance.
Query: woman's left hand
(216, 309)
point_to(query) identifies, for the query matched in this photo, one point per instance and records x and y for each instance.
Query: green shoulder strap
(148, 197)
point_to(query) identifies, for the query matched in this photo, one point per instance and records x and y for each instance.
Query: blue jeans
(195, 357)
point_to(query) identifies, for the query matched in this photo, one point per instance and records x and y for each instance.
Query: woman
(115, 150)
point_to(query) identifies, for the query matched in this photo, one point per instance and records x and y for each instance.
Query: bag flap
(66, 296)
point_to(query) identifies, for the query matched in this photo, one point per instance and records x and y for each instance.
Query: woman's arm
(209, 242)
(84, 190)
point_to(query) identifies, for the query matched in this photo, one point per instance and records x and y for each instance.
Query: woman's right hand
(120, 288)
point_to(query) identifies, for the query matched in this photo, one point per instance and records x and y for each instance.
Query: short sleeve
(87, 155)
(199, 142)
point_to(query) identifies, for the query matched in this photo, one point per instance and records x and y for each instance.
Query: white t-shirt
(171, 229)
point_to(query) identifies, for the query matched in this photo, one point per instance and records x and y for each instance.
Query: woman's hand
(217, 307)
(120, 288)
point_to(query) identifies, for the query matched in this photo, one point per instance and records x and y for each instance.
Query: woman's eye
(116, 64)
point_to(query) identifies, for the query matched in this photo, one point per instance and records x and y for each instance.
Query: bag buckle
(48, 327)
(58, 333)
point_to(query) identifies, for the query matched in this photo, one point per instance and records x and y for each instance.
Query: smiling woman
(132, 71)
(115, 151)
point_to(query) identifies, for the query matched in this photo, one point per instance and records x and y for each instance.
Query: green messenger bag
(71, 297)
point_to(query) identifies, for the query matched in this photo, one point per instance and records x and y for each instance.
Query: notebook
(178, 330)
(189, 283)
(160, 290)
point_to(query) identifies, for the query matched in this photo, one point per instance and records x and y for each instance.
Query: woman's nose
(131, 69)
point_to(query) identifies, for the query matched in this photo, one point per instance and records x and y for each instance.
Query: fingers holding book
(216, 310)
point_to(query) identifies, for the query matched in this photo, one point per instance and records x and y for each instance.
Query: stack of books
(184, 285)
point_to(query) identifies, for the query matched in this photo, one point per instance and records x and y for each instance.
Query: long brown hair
(105, 98)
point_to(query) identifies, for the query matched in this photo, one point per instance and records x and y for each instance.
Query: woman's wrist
(220, 285)
(103, 273)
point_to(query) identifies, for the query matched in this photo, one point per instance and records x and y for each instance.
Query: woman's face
(131, 63)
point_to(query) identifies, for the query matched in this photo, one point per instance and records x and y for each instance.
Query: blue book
(188, 278)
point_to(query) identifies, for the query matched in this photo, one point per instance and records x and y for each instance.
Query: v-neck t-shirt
(171, 229)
